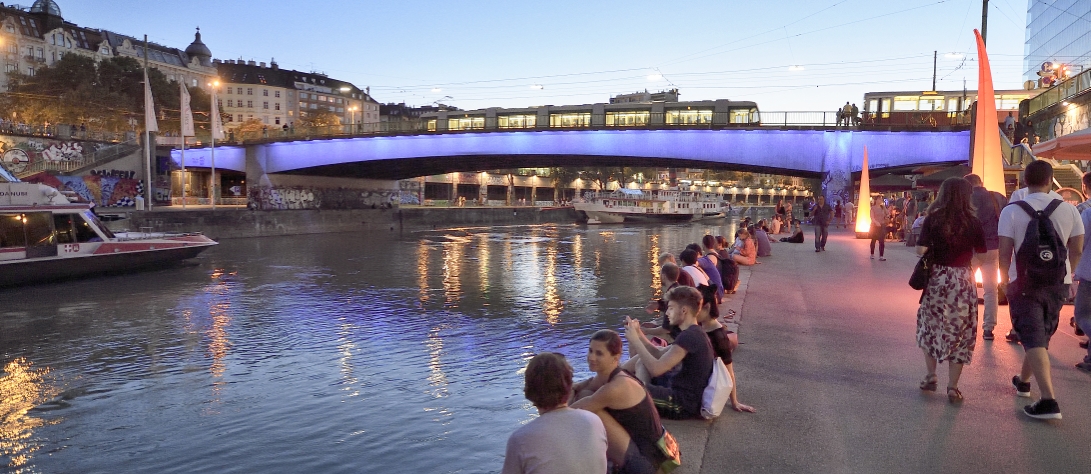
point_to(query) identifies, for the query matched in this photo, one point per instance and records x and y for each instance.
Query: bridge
(832, 154)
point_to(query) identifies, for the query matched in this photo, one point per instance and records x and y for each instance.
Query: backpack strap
(1051, 207)
(1026, 207)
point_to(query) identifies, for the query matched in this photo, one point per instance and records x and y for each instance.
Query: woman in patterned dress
(947, 318)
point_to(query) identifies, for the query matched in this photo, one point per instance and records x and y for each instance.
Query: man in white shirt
(561, 440)
(1035, 306)
(1019, 195)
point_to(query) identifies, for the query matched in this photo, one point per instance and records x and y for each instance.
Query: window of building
(249, 91)
(338, 101)
(276, 106)
(41, 53)
(291, 113)
(220, 103)
(240, 91)
(13, 48)
(238, 118)
(11, 68)
(265, 92)
(30, 71)
(579, 119)
(227, 91)
(193, 83)
(511, 121)
(230, 103)
(276, 93)
(314, 106)
(302, 105)
(265, 105)
(303, 95)
(277, 120)
(249, 104)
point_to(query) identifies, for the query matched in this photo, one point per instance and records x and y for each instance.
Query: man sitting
(561, 439)
(680, 398)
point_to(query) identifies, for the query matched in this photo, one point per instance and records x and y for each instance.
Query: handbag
(668, 446)
(921, 272)
(717, 392)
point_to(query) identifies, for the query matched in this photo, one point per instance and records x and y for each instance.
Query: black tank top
(642, 423)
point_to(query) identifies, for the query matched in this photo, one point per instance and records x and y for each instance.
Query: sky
(785, 55)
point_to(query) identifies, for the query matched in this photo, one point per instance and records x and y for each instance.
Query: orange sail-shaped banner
(863, 205)
(987, 161)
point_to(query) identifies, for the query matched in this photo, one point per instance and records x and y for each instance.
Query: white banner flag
(150, 124)
(187, 113)
(217, 121)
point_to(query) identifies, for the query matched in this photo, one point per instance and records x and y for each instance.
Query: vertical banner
(187, 113)
(150, 123)
(217, 121)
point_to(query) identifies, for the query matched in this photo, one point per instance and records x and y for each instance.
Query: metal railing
(93, 159)
(62, 132)
(1061, 92)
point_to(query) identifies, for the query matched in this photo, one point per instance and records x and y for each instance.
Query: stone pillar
(454, 192)
(533, 195)
(510, 198)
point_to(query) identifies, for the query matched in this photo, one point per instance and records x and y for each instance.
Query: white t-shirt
(1021, 194)
(562, 441)
(1014, 220)
(698, 275)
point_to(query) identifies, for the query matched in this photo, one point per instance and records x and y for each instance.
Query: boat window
(39, 229)
(84, 231)
(63, 225)
(93, 219)
(12, 231)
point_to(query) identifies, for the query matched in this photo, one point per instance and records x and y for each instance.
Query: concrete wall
(227, 224)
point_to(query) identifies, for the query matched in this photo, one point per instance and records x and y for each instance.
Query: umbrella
(891, 182)
(1074, 146)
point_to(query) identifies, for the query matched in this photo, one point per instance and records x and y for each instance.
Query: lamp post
(213, 120)
(352, 117)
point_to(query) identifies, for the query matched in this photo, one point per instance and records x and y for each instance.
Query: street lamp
(352, 115)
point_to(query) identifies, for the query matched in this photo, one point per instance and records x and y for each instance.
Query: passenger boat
(658, 205)
(44, 236)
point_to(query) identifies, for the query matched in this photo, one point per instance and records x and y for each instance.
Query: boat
(45, 237)
(657, 205)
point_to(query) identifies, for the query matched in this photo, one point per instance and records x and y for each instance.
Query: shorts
(636, 463)
(1035, 313)
(669, 404)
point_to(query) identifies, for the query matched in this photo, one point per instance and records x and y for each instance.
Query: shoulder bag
(921, 272)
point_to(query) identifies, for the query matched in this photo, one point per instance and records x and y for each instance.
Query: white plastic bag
(718, 391)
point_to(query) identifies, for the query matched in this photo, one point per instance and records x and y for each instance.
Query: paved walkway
(828, 356)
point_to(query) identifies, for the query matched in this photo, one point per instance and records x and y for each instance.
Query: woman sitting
(797, 237)
(718, 336)
(627, 411)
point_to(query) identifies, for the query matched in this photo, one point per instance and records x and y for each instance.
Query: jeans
(1083, 311)
(878, 233)
(821, 232)
(989, 263)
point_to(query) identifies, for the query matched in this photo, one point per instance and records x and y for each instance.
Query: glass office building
(1057, 31)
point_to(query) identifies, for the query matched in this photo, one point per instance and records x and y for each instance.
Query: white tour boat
(45, 237)
(657, 205)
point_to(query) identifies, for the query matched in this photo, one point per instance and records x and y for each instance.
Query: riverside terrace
(815, 151)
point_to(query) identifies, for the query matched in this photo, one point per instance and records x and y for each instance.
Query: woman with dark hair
(561, 439)
(627, 411)
(947, 318)
(720, 338)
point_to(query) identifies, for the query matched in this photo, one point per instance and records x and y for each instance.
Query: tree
(600, 176)
(318, 118)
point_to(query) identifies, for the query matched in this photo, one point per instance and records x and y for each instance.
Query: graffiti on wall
(300, 197)
(108, 191)
(19, 152)
(1074, 119)
(409, 191)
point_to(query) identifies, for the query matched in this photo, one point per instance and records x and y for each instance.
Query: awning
(891, 182)
(935, 179)
(1074, 146)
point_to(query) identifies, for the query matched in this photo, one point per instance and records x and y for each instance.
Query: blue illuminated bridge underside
(791, 152)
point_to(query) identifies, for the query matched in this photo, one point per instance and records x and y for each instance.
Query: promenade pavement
(828, 356)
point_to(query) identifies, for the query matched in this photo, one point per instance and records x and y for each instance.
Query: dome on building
(197, 49)
(48, 7)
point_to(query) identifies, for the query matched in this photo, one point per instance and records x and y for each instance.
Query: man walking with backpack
(1044, 234)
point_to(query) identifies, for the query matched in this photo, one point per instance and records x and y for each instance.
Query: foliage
(107, 95)
(318, 118)
(600, 176)
(562, 176)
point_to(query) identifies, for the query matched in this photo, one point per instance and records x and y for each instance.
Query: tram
(935, 108)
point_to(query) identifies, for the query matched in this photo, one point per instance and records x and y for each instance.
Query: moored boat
(658, 205)
(45, 237)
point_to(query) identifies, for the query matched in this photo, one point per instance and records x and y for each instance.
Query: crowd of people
(614, 418)
(1033, 241)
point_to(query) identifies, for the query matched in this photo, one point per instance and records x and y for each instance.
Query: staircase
(98, 158)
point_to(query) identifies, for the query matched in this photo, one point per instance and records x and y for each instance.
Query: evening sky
(515, 54)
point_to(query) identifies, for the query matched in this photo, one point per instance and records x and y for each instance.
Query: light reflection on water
(332, 353)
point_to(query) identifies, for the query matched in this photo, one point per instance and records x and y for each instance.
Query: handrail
(1060, 92)
(68, 166)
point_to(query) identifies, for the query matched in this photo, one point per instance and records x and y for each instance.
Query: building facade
(39, 37)
(1057, 31)
(278, 97)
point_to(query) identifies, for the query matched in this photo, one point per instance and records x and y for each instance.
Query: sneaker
(1012, 337)
(1022, 388)
(882, 259)
(873, 257)
(1084, 366)
(1043, 410)
(817, 250)
(987, 335)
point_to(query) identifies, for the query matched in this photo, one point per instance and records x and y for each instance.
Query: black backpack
(1040, 260)
(729, 273)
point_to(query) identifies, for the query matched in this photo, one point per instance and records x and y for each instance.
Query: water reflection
(653, 256)
(483, 263)
(22, 387)
(452, 269)
(577, 256)
(422, 272)
(553, 303)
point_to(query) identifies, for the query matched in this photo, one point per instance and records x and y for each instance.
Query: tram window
(432, 125)
(627, 119)
(63, 225)
(90, 217)
(84, 232)
(873, 105)
(12, 231)
(39, 229)
(902, 104)
(517, 121)
(930, 105)
(570, 120)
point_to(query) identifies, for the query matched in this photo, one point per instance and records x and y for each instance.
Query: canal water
(319, 353)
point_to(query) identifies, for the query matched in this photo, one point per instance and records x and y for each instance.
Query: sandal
(930, 383)
(954, 395)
